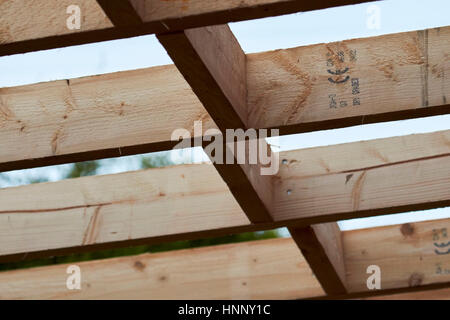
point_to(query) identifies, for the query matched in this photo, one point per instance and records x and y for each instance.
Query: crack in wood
(357, 189)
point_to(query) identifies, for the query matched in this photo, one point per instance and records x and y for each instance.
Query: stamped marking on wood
(339, 67)
(441, 245)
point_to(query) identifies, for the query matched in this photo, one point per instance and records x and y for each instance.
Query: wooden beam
(67, 121)
(213, 63)
(340, 182)
(416, 185)
(347, 157)
(56, 122)
(321, 246)
(252, 270)
(25, 28)
(350, 82)
(158, 212)
(133, 205)
(423, 247)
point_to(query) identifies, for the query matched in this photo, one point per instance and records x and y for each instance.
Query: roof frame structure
(227, 83)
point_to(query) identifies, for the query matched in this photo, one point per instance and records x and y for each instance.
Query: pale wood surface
(351, 187)
(101, 209)
(253, 270)
(24, 20)
(364, 154)
(396, 72)
(222, 55)
(97, 112)
(406, 254)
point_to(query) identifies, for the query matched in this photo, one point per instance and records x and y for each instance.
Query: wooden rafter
(321, 246)
(213, 63)
(30, 30)
(249, 270)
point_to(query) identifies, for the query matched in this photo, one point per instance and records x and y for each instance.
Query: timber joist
(325, 86)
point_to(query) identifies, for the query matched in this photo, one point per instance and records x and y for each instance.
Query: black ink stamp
(440, 241)
(338, 72)
(355, 85)
(333, 103)
(339, 81)
(441, 270)
(339, 75)
(353, 55)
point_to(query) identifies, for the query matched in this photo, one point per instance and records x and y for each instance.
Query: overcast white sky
(332, 24)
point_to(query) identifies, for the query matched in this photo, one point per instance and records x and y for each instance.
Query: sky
(286, 31)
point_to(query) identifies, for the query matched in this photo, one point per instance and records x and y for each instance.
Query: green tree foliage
(83, 169)
(158, 160)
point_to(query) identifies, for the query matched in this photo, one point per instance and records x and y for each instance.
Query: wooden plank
(252, 270)
(341, 158)
(321, 246)
(25, 28)
(409, 182)
(385, 78)
(149, 203)
(213, 63)
(416, 185)
(424, 248)
(156, 101)
(89, 118)
(158, 212)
